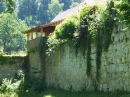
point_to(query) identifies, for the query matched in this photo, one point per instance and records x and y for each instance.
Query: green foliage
(21, 83)
(9, 5)
(69, 3)
(9, 59)
(36, 85)
(42, 11)
(74, 4)
(54, 8)
(68, 27)
(28, 11)
(123, 9)
(12, 85)
(92, 25)
(1, 52)
(11, 38)
(64, 32)
(34, 13)
(2, 7)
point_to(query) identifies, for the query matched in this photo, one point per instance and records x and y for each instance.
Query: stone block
(120, 68)
(126, 82)
(126, 50)
(104, 85)
(126, 68)
(104, 75)
(115, 39)
(123, 59)
(127, 74)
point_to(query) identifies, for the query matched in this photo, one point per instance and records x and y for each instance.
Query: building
(44, 30)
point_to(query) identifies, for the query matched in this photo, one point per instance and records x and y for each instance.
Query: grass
(62, 93)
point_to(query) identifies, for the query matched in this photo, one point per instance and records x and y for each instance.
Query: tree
(74, 4)
(123, 8)
(11, 38)
(67, 4)
(2, 7)
(43, 15)
(9, 5)
(78, 1)
(54, 8)
(28, 12)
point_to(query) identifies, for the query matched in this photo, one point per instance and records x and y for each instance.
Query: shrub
(13, 85)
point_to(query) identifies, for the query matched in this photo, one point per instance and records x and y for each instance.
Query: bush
(13, 85)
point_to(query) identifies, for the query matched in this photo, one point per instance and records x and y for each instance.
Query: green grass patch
(62, 93)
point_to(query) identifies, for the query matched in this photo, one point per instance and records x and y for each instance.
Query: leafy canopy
(11, 38)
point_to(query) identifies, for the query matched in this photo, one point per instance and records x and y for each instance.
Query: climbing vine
(92, 25)
(123, 9)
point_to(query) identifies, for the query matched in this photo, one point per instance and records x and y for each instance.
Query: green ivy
(123, 9)
(92, 25)
(9, 59)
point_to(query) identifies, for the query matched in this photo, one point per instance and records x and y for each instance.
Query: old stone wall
(65, 70)
(35, 65)
(10, 65)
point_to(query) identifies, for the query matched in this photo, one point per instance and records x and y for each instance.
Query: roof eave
(38, 28)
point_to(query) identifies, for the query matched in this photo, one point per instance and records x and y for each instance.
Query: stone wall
(10, 65)
(33, 43)
(65, 70)
(35, 65)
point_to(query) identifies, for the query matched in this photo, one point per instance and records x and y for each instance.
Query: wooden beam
(37, 29)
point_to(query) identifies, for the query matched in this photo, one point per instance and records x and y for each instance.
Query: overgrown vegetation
(11, 38)
(20, 84)
(9, 59)
(12, 86)
(92, 25)
(123, 8)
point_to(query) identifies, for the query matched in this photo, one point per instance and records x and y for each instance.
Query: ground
(62, 93)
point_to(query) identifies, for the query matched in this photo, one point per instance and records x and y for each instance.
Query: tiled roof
(61, 16)
(68, 12)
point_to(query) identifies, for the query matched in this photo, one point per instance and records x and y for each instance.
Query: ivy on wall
(9, 59)
(92, 25)
(123, 9)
